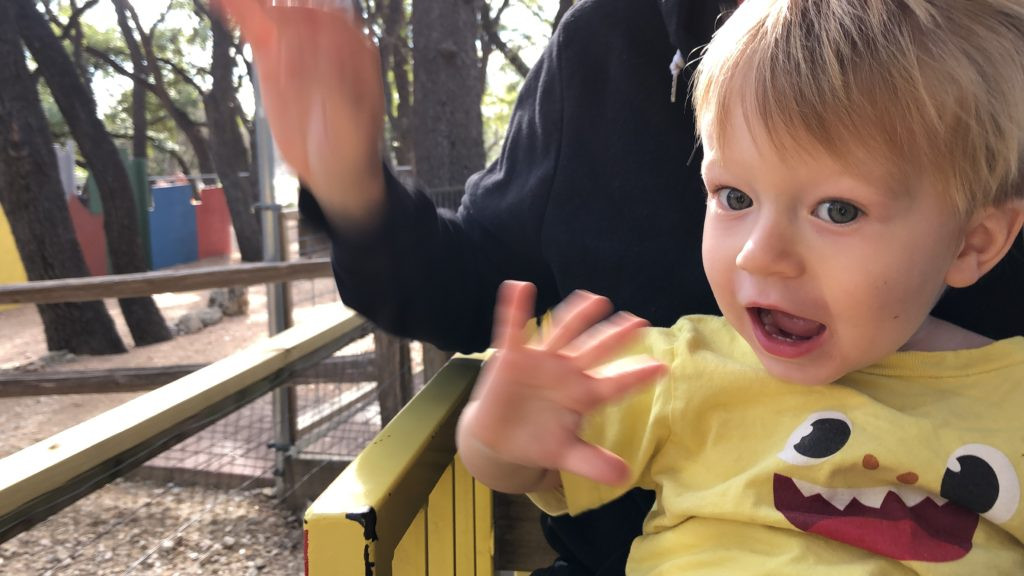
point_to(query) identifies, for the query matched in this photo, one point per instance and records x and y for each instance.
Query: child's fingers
(583, 392)
(594, 463)
(255, 24)
(623, 377)
(603, 340)
(609, 383)
(575, 315)
(512, 311)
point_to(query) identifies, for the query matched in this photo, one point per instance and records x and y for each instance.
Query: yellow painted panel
(396, 473)
(483, 525)
(12, 270)
(441, 526)
(465, 519)
(335, 546)
(411, 553)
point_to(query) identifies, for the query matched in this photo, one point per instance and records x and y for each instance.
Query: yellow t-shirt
(910, 466)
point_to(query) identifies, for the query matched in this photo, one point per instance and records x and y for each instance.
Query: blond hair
(921, 85)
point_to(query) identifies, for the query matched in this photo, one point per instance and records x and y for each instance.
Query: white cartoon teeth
(871, 497)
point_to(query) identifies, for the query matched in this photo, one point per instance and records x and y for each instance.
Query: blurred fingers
(575, 315)
(603, 340)
(620, 378)
(513, 310)
(252, 18)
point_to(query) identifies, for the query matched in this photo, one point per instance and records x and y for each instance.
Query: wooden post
(394, 374)
(433, 360)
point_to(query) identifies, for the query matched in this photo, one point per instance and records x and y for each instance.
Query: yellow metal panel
(336, 545)
(411, 554)
(12, 270)
(441, 526)
(395, 474)
(465, 519)
(484, 528)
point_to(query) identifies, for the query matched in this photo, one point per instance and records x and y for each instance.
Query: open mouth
(786, 335)
(900, 522)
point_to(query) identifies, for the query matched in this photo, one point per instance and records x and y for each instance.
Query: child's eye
(837, 212)
(734, 199)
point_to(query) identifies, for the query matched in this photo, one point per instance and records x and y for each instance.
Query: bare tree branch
(118, 67)
(74, 20)
(174, 110)
(490, 28)
(185, 75)
(161, 146)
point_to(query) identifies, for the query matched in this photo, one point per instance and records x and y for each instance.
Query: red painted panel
(213, 224)
(91, 237)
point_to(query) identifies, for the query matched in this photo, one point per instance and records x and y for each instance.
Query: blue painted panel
(172, 227)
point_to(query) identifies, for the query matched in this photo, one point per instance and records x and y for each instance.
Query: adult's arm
(432, 274)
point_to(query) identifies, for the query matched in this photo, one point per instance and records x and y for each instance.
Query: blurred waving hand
(525, 413)
(320, 81)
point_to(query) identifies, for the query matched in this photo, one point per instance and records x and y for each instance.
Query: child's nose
(771, 250)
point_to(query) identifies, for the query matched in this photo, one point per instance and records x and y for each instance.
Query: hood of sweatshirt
(691, 22)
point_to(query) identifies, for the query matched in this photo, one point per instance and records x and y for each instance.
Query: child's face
(822, 270)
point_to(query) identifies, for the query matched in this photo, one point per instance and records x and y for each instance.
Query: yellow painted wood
(411, 554)
(395, 474)
(46, 465)
(465, 521)
(441, 525)
(12, 270)
(483, 527)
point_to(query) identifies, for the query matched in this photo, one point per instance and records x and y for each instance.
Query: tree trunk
(140, 121)
(447, 125)
(120, 220)
(230, 154)
(395, 55)
(33, 198)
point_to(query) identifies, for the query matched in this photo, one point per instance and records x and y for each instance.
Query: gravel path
(140, 528)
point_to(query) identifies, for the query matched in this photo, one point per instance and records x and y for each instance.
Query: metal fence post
(278, 309)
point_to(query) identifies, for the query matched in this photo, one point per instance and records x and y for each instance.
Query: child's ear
(990, 234)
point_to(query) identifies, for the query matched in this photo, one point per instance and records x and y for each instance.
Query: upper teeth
(872, 497)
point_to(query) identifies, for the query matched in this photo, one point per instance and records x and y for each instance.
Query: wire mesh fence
(207, 505)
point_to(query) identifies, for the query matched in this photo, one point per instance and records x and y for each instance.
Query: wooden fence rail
(350, 368)
(148, 283)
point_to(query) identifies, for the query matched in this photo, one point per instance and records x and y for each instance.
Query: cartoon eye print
(819, 437)
(983, 480)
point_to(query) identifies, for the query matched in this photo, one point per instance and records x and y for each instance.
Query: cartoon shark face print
(895, 517)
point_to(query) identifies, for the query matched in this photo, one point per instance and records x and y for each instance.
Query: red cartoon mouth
(900, 523)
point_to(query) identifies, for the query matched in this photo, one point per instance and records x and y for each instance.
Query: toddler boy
(860, 158)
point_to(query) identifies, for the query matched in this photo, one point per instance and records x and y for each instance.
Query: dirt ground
(136, 527)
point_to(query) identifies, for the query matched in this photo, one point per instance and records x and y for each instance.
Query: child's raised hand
(320, 81)
(529, 401)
